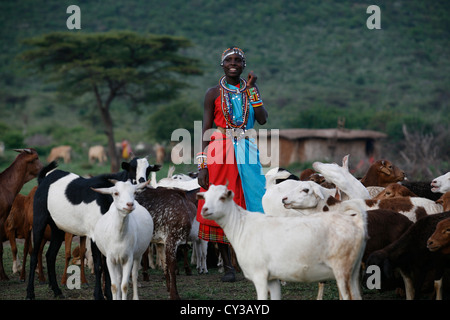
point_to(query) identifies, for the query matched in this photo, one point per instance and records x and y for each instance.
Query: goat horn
(23, 150)
(113, 181)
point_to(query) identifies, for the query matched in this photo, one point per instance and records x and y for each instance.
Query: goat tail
(51, 166)
(274, 174)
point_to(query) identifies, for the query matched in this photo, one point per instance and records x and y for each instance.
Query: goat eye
(305, 190)
(116, 194)
(222, 198)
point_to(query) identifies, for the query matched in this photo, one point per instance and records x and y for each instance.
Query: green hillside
(315, 60)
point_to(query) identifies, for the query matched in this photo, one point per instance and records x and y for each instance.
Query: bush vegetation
(316, 62)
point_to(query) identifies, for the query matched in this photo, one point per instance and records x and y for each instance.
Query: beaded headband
(233, 50)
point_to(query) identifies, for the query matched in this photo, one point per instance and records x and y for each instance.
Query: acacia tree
(114, 64)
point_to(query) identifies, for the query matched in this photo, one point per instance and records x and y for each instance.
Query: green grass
(193, 287)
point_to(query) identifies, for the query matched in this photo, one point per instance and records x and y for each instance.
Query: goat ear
(230, 194)
(200, 196)
(317, 191)
(345, 162)
(103, 190)
(125, 166)
(385, 171)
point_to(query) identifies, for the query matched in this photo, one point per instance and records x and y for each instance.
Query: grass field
(193, 287)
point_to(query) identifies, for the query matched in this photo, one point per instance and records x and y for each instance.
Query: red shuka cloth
(222, 167)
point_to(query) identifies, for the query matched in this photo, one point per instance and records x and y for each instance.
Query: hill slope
(315, 60)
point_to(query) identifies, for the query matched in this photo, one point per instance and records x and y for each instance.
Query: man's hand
(251, 79)
(203, 178)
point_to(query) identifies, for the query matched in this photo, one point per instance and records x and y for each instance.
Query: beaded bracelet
(201, 160)
(254, 97)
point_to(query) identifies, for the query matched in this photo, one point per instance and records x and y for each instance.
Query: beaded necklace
(227, 106)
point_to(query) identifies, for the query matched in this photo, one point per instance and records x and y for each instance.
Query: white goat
(306, 249)
(180, 181)
(275, 192)
(411, 207)
(199, 249)
(342, 178)
(441, 184)
(123, 234)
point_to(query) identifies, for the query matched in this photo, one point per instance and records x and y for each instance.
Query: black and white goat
(67, 203)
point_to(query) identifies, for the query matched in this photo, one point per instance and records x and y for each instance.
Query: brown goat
(411, 256)
(25, 167)
(63, 152)
(444, 200)
(384, 227)
(381, 173)
(394, 190)
(18, 225)
(306, 174)
(440, 239)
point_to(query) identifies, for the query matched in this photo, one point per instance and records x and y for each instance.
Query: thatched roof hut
(307, 145)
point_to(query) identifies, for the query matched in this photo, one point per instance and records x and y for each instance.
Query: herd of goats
(323, 224)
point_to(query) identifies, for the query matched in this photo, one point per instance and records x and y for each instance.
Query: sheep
(441, 184)
(440, 239)
(381, 173)
(394, 190)
(409, 254)
(313, 248)
(123, 234)
(342, 178)
(66, 202)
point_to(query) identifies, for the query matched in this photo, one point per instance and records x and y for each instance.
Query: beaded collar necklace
(242, 86)
(227, 106)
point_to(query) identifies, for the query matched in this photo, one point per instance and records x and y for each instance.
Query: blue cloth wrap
(247, 159)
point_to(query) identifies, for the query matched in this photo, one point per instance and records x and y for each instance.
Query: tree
(140, 68)
(168, 118)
